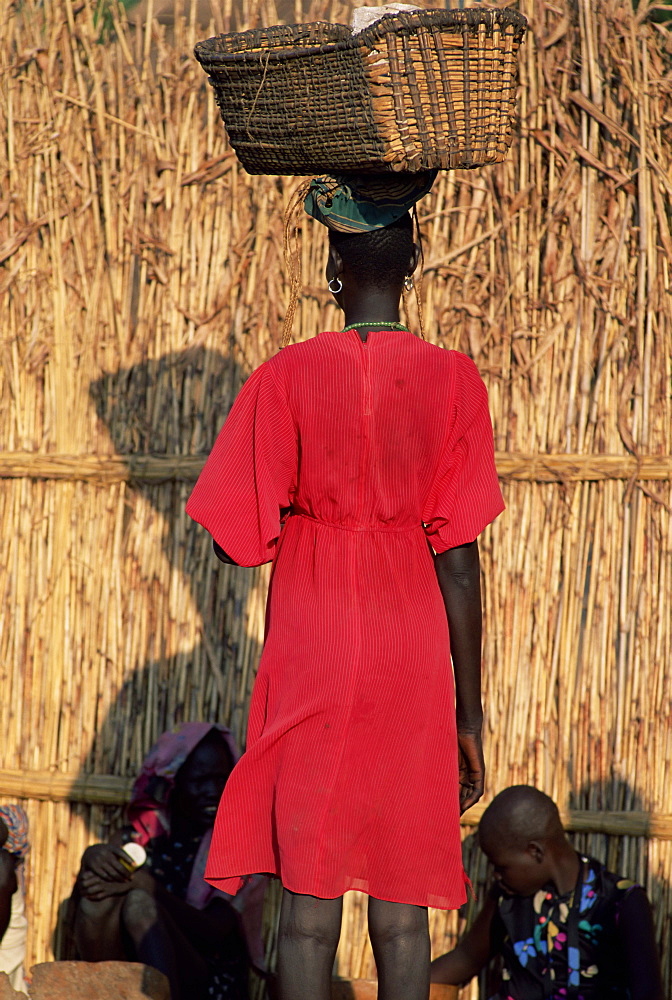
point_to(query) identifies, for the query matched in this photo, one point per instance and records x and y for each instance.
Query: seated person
(14, 847)
(564, 926)
(164, 913)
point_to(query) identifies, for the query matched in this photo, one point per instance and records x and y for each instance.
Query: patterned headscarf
(358, 203)
(149, 808)
(16, 821)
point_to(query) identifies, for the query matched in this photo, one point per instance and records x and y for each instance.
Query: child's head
(522, 835)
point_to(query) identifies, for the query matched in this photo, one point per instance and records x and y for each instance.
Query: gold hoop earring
(408, 283)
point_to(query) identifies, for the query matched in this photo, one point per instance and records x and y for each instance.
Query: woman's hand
(95, 888)
(472, 767)
(105, 862)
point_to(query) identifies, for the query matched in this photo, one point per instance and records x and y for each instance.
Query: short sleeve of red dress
(250, 473)
(465, 494)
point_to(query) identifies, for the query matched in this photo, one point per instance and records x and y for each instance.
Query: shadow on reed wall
(173, 673)
(158, 407)
(636, 858)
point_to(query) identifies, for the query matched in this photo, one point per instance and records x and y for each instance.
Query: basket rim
(470, 18)
(466, 17)
(208, 48)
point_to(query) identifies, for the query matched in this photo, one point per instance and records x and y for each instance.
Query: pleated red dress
(350, 778)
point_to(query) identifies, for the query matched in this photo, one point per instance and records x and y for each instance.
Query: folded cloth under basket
(416, 90)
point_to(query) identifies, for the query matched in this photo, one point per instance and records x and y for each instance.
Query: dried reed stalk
(108, 789)
(161, 468)
(47, 786)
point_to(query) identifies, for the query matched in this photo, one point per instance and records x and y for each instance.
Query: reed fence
(141, 280)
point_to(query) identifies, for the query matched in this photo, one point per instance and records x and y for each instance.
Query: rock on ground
(7, 991)
(91, 981)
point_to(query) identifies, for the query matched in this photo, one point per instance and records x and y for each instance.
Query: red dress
(350, 778)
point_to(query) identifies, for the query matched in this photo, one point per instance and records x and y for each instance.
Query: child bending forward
(564, 926)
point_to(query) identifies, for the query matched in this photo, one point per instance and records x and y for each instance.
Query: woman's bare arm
(221, 554)
(459, 575)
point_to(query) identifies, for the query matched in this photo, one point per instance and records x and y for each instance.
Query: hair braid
(291, 248)
(420, 271)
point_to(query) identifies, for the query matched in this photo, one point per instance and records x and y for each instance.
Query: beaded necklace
(369, 326)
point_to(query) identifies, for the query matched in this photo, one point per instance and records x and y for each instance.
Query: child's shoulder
(600, 881)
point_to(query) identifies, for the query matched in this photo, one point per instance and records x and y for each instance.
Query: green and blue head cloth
(358, 203)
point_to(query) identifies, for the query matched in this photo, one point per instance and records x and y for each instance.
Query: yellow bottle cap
(136, 854)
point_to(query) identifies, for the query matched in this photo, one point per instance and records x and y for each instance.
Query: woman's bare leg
(307, 942)
(399, 936)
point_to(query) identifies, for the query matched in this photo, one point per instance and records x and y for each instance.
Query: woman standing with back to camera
(362, 750)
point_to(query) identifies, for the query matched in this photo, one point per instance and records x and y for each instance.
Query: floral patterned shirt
(563, 947)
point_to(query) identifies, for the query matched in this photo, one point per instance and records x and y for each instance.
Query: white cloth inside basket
(364, 17)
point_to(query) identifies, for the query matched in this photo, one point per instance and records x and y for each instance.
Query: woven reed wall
(141, 279)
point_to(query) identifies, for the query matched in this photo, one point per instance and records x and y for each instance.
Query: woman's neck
(370, 316)
(364, 327)
(376, 306)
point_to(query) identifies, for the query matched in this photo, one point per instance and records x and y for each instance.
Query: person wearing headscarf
(364, 203)
(164, 913)
(361, 463)
(14, 847)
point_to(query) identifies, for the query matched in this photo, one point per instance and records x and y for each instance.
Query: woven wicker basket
(414, 91)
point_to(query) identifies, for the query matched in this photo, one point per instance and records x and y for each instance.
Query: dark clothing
(171, 862)
(564, 947)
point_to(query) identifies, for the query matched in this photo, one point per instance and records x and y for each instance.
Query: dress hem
(233, 884)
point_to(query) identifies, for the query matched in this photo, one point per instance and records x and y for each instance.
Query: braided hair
(380, 257)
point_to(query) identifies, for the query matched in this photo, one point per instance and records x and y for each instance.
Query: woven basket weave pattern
(414, 91)
(264, 82)
(444, 100)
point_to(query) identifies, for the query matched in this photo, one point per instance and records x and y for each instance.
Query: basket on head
(414, 91)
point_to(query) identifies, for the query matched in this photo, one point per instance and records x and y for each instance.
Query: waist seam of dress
(363, 528)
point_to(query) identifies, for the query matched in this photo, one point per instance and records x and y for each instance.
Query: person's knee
(95, 929)
(321, 935)
(139, 912)
(392, 923)
(95, 910)
(310, 922)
